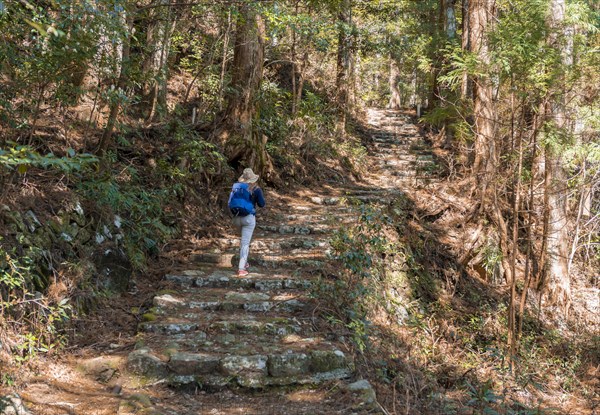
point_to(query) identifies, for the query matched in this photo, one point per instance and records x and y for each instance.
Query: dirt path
(215, 343)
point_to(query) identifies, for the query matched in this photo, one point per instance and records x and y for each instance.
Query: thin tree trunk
(557, 238)
(513, 332)
(224, 60)
(115, 106)
(466, 87)
(36, 113)
(580, 213)
(343, 61)
(298, 95)
(529, 257)
(395, 97)
(481, 14)
(294, 63)
(159, 63)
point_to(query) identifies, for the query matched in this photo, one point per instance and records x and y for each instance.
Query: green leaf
(22, 169)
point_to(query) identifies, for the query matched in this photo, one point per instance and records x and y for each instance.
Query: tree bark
(241, 138)
(395, 96)
(466, 86)
(481, 14)
(158, 38)
(115, 105)
(557, 280)
(343, 61)
(224, 60)
(449, 18)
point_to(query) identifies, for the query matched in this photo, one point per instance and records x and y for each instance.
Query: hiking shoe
(242, 273)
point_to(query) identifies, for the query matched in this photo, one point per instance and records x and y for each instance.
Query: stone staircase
(214, 331)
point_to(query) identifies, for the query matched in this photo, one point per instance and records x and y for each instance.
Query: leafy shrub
(21, 158)
(35, 319)
(145, 219)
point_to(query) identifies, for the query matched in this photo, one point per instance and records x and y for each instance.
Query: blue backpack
(240, 200)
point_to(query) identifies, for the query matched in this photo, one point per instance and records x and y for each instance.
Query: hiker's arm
(259, 198)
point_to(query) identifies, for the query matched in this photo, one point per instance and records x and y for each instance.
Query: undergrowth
(435, 352)
(47, 271)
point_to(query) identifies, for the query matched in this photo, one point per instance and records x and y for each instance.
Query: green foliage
(146, 222)
(359, 249)
(60, 38)
(491, 257)
(35, 319)
(274, 112)
(460, 63)
(201, 156)
(485, 401)
(21, 158)
(442, 115)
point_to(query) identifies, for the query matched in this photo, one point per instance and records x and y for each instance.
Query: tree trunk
(158, 38)
(115, 103)
(343, 61)
(557, 280)
(466, 86)
(481, 14)
(395, 97)
(294, 63)
(300, 88)
(243, 142)
(449, 18)
(224, 60)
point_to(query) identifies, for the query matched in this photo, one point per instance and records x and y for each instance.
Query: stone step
(402, 173)
(392, 141)
(374, 191)
(421, 148)
(317, 229)
(314, 218)
(214, 299)
(350, 200)
(211, 323)
(274, 326)
(233, 339)
(405, 164)
(402, 134)
(397, 145)
(254, 368)
(403, 141)
(226, 278)
(412, 157)
(292, 259)
(273, 243)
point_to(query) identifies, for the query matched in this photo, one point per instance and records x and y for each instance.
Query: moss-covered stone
(289, 364)
(326, 360)
(193, 363)
(142, 362)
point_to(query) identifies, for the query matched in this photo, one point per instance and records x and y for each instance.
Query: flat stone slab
(164, 303)
(228, 279)
(253, 370)
(169, 328)
(274, 260)
(241, 296)
(279, 327)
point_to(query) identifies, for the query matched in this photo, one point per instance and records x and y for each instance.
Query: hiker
(245, 196)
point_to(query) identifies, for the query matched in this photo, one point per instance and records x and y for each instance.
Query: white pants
(246, 224)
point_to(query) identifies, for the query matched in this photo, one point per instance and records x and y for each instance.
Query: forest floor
(291, 240)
